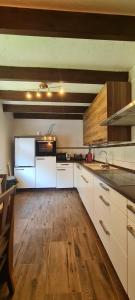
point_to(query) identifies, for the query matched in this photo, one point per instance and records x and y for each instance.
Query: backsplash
(120, 156)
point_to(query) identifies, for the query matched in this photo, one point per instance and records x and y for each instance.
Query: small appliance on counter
(68, 156)
(89, 157)
(61, 156)
(78, 157)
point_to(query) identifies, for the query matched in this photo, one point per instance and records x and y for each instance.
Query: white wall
(6, 134)
(69, 133)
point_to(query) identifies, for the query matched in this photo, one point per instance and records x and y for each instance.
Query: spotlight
(61, 91)
(28, 95)
(38, 95)
(49, 94)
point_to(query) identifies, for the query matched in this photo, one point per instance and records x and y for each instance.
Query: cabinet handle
(131, 230)
(104, 201)
(40, 158)
(61, 169)
(84, 179)
(131, 208)
(104, 187)
(104, 228)
(20, 169)
(64, 164)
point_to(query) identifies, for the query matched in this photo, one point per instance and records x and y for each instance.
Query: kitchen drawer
(64, 177)
(104, 208)
(131, 210)
(119, 227)
(119, 260)
(131, 260)
(104, 232)
(103, 189)
(65, 165)
(118, 200)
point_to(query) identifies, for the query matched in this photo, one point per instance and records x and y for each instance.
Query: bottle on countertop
(89, 156)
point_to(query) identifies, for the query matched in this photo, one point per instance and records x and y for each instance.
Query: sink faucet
(106, 160)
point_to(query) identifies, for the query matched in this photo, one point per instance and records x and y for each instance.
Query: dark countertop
(119, 179)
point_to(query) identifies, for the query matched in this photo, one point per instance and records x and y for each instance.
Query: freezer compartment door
(25, 177)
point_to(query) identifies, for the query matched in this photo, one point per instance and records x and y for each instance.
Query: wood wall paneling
(112, 97)
(36, 22)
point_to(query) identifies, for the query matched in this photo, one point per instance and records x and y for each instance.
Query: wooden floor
(57, 254)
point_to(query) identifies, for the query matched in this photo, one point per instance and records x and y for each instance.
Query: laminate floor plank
(57, 252)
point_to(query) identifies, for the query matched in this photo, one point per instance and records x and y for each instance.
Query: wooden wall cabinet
(113, 96)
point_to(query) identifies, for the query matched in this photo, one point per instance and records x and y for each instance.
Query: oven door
(45, 148)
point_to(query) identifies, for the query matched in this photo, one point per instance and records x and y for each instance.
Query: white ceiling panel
(32, 86)
(66, 53)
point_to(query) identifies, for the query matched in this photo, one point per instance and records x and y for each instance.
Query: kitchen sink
(99, 166)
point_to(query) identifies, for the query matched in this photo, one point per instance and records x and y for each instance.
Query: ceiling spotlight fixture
(47, 88)
(61, 91)
(38, 95)
(49, 94)
(28, 95)
(43, 85)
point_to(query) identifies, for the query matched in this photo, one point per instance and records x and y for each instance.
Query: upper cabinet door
(112, 97)
(24, 152)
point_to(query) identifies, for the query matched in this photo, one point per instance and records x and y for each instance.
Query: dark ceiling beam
(43, 109)
(48, 116)
(36, 22)
(56, 75)
(67, 97)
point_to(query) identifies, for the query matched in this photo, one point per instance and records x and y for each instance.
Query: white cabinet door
(89, 193)
(64, 176)
(75, 175)
(131, 260)
(25, 177)
(24, 152)
(45, 172)
(118, 238)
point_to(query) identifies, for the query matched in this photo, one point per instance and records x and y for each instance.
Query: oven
(45, 148)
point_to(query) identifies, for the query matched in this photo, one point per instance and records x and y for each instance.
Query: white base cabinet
(64, 175)
(131, 250)
(45, 172)
(115, 224)
(25, 177)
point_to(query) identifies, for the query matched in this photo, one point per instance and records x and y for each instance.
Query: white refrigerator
(24, 170)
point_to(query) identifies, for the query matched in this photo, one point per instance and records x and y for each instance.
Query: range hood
(124, 117)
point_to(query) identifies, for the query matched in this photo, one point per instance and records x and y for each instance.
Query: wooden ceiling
(67, 97)
(32, 22)
(23, 21)
(57, 75)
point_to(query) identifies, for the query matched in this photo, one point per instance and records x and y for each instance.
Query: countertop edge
(108, 182)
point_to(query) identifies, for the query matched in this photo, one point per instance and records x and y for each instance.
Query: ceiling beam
(43, 109)
(67, 97)
(56, 75)
(48, 116)
(36, 22)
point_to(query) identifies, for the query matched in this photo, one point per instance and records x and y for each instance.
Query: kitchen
(67, 128)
